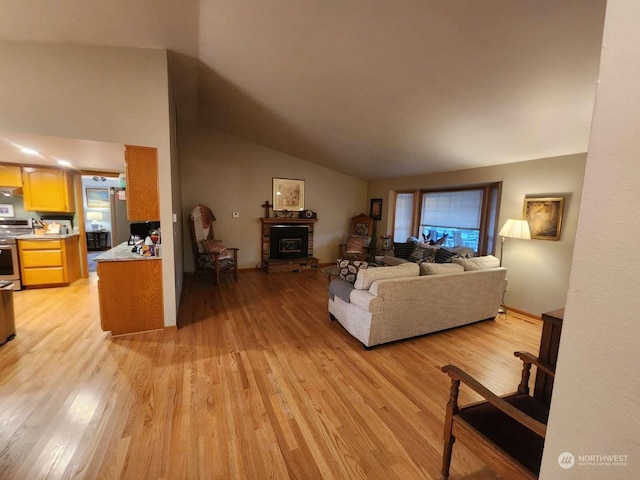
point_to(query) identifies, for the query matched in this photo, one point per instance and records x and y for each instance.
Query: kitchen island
(130, 291)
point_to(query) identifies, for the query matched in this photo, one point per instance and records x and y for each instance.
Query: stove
(10, 228)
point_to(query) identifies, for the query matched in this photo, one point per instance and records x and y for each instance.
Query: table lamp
(94, 217)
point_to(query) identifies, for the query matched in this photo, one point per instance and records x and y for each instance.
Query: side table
(331, 271)
(97, 240)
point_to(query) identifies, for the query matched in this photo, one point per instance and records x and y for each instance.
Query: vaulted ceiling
(370, 88)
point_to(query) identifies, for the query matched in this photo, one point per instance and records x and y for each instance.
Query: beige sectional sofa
(406, 300)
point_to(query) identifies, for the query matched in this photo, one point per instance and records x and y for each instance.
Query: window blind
(458, 209)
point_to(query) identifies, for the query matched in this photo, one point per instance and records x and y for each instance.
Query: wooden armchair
(357, 246)
(209, 254)
(506, 432)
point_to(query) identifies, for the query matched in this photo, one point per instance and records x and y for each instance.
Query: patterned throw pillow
(349, 269)
(215, 246)
(420, 254)
(403, 250)
(444, 256)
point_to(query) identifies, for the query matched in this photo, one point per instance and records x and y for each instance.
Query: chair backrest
(362, 226)
(200, 222)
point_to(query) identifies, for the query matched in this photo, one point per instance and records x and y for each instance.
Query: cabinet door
(47, 190)
(10, 176)
(141, 170)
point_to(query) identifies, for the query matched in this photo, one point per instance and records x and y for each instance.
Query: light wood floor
(256, 383)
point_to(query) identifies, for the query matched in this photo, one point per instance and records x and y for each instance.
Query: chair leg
(449, 439)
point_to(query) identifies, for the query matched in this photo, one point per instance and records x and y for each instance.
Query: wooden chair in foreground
(506, 432)
(209, 254)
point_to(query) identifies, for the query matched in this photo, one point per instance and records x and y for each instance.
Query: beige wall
(108, 94)
(594, 410)
(538, 270)
(230, 174)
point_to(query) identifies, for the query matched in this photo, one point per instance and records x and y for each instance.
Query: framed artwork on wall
(288, 194)
(375, 210)
(6, 210)
(97, 198)
(544, 215)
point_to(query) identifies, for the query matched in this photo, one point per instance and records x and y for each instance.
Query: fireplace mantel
(271, 265)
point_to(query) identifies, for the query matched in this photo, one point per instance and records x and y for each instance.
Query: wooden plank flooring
(256, 383)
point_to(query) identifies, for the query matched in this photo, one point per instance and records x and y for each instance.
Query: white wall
(109, 94)
(594, 409)
(231, 174)
(538, 270)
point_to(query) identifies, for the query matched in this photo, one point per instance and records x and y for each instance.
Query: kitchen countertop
(47, 236)
(121, 253)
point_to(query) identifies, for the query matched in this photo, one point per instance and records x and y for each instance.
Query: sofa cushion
(440, 268)
(366, 277)
(477, 263)
(444, 256)
(421, 254)
(403, 250)
(349, 268)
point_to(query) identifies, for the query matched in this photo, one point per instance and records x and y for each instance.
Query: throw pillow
(440, 268)
(420, 254)
(215, 246)
(349, 269)
(444, 256)
(357, 244)
(403, 250)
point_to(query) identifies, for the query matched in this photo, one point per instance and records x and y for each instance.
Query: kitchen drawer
(43, 276)
(42, 258)
(40, 244)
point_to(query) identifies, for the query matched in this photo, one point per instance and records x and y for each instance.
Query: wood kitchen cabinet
(48, 189)
(49, 262)
(130, 294)
(141, 170)
(10, 176)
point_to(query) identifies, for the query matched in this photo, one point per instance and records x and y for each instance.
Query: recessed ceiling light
(29, 151)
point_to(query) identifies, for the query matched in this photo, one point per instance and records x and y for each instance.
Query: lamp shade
(515, 229)
(94, 216)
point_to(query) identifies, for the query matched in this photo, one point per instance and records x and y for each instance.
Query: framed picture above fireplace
(288, 194)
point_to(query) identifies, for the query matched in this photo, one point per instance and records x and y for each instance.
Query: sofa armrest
(365, 300)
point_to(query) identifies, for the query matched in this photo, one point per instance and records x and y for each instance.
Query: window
(454, 217)
(403, 221)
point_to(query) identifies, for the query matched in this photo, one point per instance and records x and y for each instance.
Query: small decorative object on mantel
(285, 214)
(544, 216)
(267, 209)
